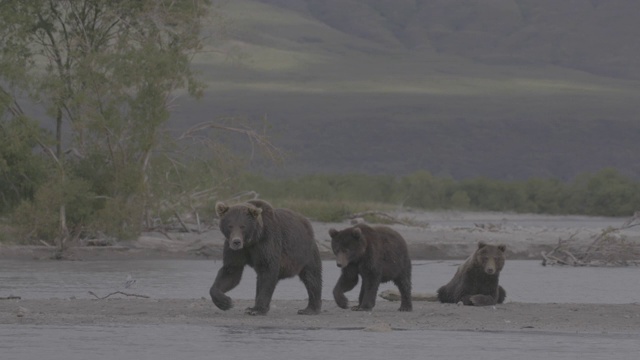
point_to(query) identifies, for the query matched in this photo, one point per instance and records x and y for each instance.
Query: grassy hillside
(506, 89)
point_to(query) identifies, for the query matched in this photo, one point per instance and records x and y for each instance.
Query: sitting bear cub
(476, 281)
(377, 254)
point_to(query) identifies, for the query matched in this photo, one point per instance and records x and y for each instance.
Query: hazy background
(507, 89)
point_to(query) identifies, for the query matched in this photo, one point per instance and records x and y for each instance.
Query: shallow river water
(199, 342)
(525, 281)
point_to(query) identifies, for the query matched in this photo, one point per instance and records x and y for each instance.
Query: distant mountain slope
(500, 88)
(598, 36)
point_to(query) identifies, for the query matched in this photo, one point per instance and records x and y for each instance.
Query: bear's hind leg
(502, 294)
(311, 277)
(481, 300)
(445, 295)
(404, 286)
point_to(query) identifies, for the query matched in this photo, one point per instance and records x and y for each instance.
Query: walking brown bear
(476, 280)
(277, 243)
(377, 254)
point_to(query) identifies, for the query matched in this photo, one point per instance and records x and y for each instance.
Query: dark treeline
(605, 193)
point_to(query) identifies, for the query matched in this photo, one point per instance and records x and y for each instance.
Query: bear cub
(377, 254)
(476, 280)
(277, 243)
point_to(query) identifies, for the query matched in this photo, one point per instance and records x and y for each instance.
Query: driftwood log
(394, 295)
(383, 217)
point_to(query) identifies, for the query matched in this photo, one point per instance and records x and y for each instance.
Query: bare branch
(271, 150)
(608, 248)
(117, 292)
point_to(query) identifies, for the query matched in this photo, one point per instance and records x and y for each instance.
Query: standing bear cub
(277, 243)
(377, 254)
(476, 281)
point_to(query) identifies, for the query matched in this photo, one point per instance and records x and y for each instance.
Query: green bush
(22, 170)
(605, 193)
(39, 219)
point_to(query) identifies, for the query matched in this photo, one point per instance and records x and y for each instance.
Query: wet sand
(510, 317)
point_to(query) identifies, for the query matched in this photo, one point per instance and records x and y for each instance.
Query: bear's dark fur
(377, 254)
(476, 281)
(277, 243)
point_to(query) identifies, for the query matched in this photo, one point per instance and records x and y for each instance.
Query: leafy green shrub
(119, 218)
(21, 169)
(460, 200)
(39, 219)
(605, 193)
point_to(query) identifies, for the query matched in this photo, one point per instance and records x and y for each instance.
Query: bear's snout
(342, 260)
(236, 243)
(490, 268)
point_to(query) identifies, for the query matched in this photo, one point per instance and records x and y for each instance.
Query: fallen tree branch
(608, 248)
(184, 226)
(118, 292)
(379, 214)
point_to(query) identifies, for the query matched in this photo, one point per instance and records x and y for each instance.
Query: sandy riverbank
(437, 235)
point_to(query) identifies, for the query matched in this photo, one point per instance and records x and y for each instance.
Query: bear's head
(241, 224)
(348, 245)
(490, 257)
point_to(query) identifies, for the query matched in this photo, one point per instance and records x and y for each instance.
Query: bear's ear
(333, 233)
(502, 247)
(221, 208)
(481, 244)
(255, 211)
(357, 233)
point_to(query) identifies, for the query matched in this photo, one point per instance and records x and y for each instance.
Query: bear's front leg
(368, 292)
(265, 286)
(347, 281)
(228, 278)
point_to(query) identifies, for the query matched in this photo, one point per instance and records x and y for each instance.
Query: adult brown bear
(476, 281)
(277, 243)
(377, 254)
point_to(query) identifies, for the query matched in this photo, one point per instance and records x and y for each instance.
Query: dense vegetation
(331, 197)
(104, 75)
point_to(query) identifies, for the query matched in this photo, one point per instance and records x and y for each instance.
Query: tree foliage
(106, 72)
(21, 171)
